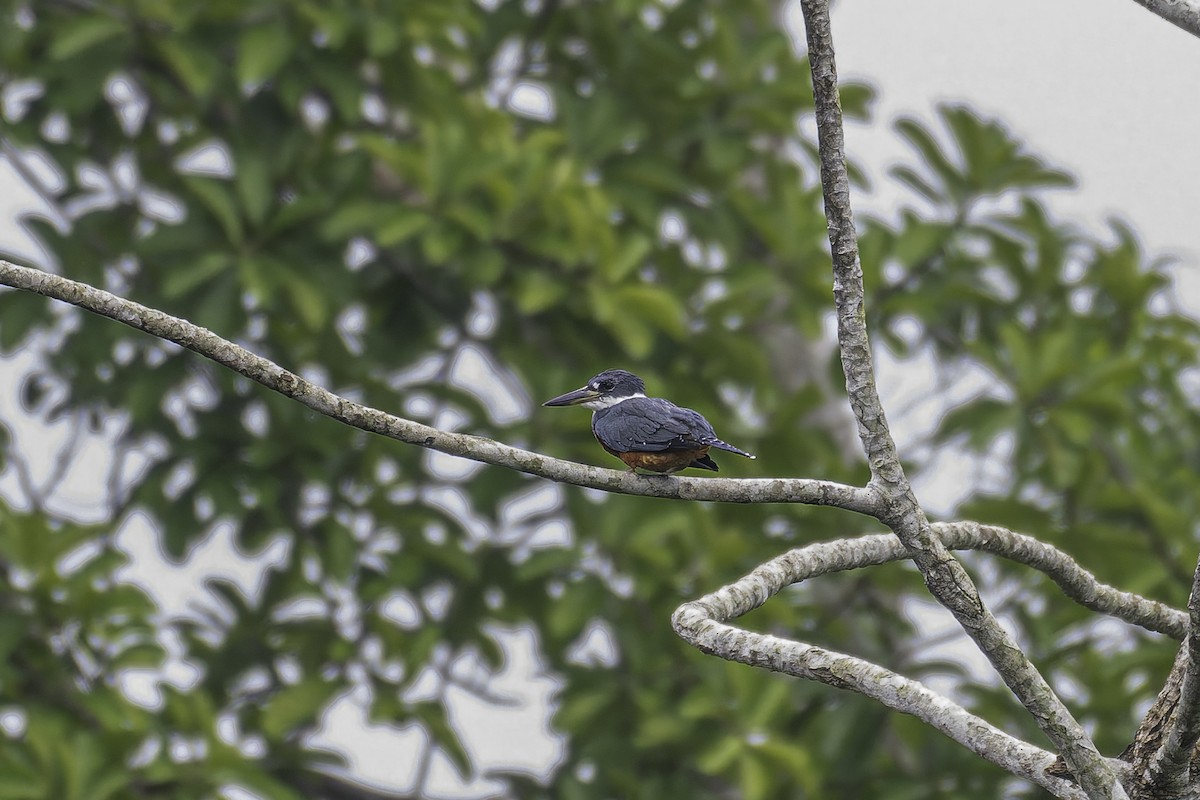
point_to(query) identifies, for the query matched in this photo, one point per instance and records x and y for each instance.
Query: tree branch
(477, 448)
(841, 555)
(1141, 752)
(1170, 768)
(1075, 582)
(698, 623)
(947, 581)
(702, 623)
(1183, 13)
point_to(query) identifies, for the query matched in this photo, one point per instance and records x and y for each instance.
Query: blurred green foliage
(366, 192)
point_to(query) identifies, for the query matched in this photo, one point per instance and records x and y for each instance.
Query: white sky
(1101, 87)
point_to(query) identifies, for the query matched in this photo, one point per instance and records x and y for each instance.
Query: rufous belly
(666, 461)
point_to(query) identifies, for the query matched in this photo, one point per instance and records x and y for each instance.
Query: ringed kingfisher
(647, 433)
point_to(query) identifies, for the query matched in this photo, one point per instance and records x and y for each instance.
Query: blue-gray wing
(651, 425)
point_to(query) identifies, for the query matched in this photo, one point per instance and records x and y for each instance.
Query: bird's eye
(607, 386)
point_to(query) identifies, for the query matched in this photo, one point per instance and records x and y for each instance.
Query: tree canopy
(455, 210)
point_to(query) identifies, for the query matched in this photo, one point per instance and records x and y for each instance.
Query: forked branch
(947, 581)
(703, 623)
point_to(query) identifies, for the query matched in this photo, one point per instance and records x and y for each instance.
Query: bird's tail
(726, 446)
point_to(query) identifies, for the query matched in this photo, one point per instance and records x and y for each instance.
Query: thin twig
(25, 479)
(425, 764)
(116, 494)
(65, 455)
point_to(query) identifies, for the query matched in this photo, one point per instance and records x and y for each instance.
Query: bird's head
(606, 389)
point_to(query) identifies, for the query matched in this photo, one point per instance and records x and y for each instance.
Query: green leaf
(19, 313)
(111, 710)
(653, 305)
(754, 776)
(441, 241)
(911, 178)
(584, 707)
(295, 213)
(797, 761)
(547, 562)
(5, 444)
(402, 225)
(484, 267)
(721, 754)
(343, 87)
(20, 779)
(81, 33)
(658, 730)
(536, 291)
(340, 552)
(433, 715)
(260, 277)
(1013, 514)
(1076, 427)
(383, 37)
(294, 706)
(252, 179)
(475, 220)
(309, 301)
(262, 51)
(633, 251)
(919, 240)
(931, 152)
(184, 278)
(215, 196)
(141, 656)
(357, 217)
(11, 633)
(195, 66)
(979, 422)
(636, 337)
(1021, 358)
(190, 712)
(110, 783)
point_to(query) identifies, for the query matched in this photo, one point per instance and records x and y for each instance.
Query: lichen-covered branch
(1170, 767)
(698, 624)
(703, 624)
(1183, 13)
(841, 555)
(947, 581)
(477, 448)
(1143, 753)
(1075, 581)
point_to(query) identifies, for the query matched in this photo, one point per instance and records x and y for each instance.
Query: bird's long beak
(573, 398)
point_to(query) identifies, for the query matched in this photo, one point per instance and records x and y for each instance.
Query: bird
(647, 433)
